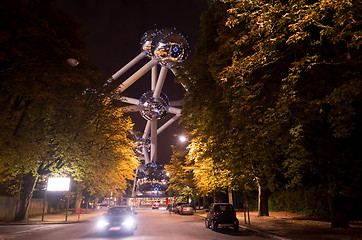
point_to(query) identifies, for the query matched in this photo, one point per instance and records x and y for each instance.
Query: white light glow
(130, 222)
(183, 139)
(102, 223)
(58, 184)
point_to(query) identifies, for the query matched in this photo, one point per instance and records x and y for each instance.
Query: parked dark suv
(221, 215)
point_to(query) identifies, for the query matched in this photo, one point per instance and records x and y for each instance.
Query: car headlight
(102, 223)
(130, 222)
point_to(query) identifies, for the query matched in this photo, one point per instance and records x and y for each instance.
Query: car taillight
(216, 214)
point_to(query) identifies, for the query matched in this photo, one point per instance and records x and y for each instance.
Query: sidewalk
(60, 217)
(285, 225)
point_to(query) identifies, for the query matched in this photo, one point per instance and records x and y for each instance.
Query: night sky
(115, 28)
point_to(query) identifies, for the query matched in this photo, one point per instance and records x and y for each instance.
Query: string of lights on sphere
(167, 46)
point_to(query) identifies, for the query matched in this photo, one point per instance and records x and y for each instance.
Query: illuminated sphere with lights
(137, 147)
(139, 143)
(146, 41)
(154, 108)
(169, 47)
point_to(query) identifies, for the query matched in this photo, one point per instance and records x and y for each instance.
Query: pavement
(59, 218)
(279, 225)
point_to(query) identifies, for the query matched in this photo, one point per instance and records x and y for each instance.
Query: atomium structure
(165, 48)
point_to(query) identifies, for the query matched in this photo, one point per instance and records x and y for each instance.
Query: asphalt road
(152, 225)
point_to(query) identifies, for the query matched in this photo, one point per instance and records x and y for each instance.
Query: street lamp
(182, 139)
(72, 62)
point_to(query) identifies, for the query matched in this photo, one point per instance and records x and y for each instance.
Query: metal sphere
(169, 47)
(139, 143)
(137, 147)
(154, 108)
(146, 41)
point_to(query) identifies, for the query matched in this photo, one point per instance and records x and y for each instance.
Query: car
(118, 219)
(155, 205)
(102, 207)
(221, 215)
(186, 209)
(177, 207)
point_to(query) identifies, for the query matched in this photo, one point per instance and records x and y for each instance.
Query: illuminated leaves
(50, 125)
(275, 84)
(181, 182)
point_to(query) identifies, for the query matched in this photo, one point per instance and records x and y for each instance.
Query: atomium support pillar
(153, 140)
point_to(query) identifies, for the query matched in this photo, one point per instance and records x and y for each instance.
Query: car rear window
(224, 208)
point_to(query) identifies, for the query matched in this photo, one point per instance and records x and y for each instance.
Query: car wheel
(207, 223)
(236, 227)
(213, 225)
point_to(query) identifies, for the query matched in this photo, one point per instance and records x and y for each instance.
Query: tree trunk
(246, 200)
(205, 202)
(28, 184)
(22, 116)
(230, 196)
(263, 208)
(78, 198)
(337, 212)
(95, 206)
(86, 204)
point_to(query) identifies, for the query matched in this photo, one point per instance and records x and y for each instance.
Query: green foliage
(181, 183)
(53, 121)
(274, 94)
(303, 200)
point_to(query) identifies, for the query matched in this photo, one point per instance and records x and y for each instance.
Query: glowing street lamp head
(182, 138)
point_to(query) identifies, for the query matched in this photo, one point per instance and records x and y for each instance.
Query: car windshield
(224, 208)
(119, 210)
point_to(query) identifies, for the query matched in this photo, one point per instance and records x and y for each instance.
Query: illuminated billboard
(58, 184)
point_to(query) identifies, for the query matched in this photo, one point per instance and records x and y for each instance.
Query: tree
(208, 110)
(181, 182)
(288, 75)
(100, 158)
(314, 48)
(52, 124)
